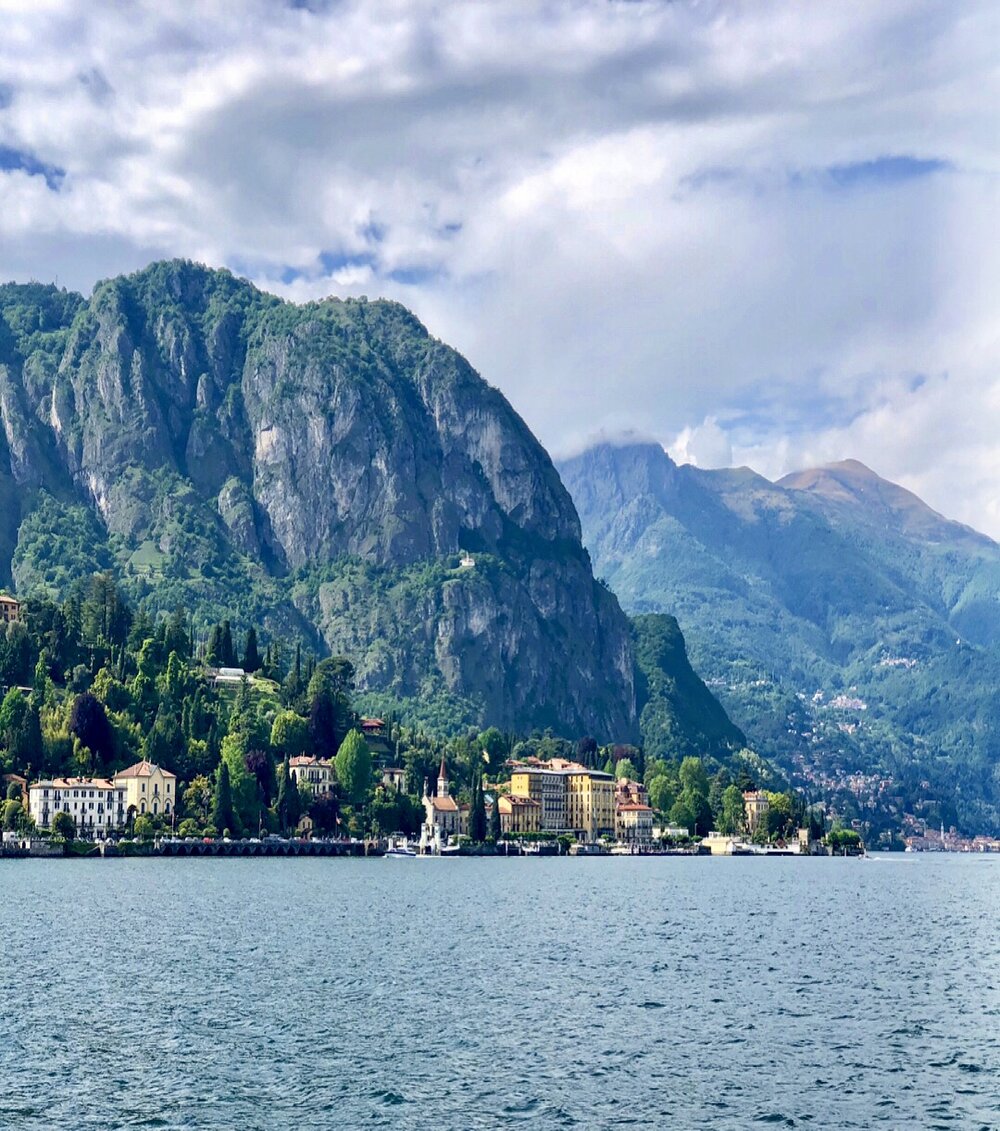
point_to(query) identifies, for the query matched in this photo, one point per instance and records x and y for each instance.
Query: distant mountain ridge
(832, 586)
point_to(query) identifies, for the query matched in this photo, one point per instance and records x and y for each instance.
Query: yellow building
(10, 610)
(590, 803)
(573, 798)
(756, 805)
(148, 789)
(545, 785)
(519, 814)
(316, 773)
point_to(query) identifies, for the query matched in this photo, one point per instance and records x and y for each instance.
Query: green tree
(223, 816)
(198, 800)
(681, 813)
(626, 769)
(251, 653)
(290, 734)
(13, 814)
(662, 794)
(144, 827)
(64, 826)
(693, 776)
(12, 712)
(354, 767)
(494, 747)
(495, 832)
(733, 817)
(288, 804)
(477, 814)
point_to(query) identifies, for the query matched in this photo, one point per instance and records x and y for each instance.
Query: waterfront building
(590, 803)
(634, 823)
(723, 844)
(317, 774)
(97, 805)
(630, 792)
(756, 806)
(443, 817)
(519, 814)
(574, 799)
(671, 832)
(10, 609)
(541, 783)
(148, 789)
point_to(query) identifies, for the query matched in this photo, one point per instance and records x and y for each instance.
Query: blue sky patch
(885, 171)
(414, 276)
(373, 232)
(18, 159)
(333, 261)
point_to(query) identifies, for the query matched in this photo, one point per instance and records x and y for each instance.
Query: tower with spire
(444, 818)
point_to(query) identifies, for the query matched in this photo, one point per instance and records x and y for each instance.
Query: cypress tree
(227, 653)
(251, 653)
(477, 816)
(213, 649)
(222, 806)
(495, 831)
(288, 805)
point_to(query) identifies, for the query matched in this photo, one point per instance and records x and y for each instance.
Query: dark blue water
(680, 993)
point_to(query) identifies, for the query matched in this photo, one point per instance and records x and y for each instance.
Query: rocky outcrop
(243, 452)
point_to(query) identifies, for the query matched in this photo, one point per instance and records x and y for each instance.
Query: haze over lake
(629, 992)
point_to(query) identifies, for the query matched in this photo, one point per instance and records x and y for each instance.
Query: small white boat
(398, 849)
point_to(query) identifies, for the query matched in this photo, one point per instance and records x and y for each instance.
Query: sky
(758, 232)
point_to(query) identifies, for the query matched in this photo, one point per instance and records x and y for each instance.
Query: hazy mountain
(841, 620)
(317, 469)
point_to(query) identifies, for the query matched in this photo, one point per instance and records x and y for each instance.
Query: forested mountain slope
(842, 622)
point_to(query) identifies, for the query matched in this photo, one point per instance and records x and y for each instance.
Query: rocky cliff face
(318, 466)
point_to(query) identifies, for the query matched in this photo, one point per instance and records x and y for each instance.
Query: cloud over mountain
(629, 215)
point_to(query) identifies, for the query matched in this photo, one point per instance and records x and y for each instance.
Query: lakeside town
(545, 808)
(244, 751)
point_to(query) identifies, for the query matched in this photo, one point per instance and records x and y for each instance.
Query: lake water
(543, 993)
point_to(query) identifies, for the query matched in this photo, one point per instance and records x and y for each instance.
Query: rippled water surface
(321, 993)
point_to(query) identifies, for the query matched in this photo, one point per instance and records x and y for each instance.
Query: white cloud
(715, 222)
(705, 445)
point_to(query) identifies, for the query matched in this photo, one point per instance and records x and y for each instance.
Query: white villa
(96, 805)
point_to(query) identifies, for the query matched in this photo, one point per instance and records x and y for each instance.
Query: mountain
(843, 623)
(678, 715)
(317, 469)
